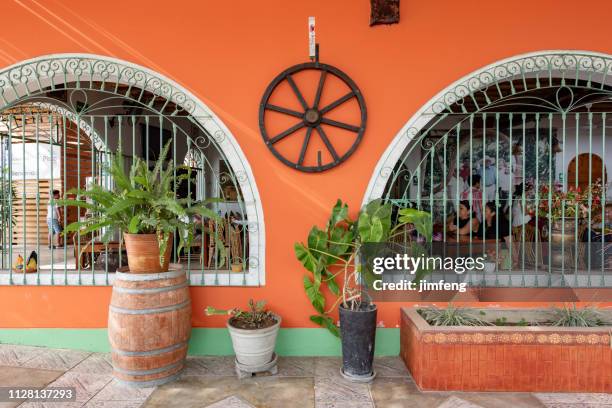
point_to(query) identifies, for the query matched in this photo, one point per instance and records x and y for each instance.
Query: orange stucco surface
(227, 52)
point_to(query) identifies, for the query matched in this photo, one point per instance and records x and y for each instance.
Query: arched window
(505, 135)
(72, 111)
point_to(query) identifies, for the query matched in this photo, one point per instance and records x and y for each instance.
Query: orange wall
(226, 53)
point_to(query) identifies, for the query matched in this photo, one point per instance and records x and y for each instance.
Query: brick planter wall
(490, 358)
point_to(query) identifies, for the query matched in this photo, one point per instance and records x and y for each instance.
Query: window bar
(457, 193)
(189, 164)
(51, 187)
(4, 203)
(537, 199)
(37, 130)
(120, 144)
(10, 201)
(78, 161)
(64, 184)
(201, 195)
(511, 199)
(105, 183)
(497, 206)
(24, 197)
(603, 198)
(444, 194)
(177, 232)
(576, 208)
(523, 201)
(550, 185)
(93, 181)
(590, 198)
(470, 197)
(483, 184)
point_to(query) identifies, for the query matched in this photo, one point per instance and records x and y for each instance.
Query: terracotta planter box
(506, 358)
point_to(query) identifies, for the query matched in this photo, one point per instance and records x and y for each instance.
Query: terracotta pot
(236, 267)
(143, 253)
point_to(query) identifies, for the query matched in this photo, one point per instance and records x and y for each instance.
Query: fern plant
(452, 316)
(571, 316)
(142, 202)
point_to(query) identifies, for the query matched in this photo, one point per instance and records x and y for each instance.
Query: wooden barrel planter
(149, 325)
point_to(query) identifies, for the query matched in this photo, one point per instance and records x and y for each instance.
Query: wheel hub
(312, 117)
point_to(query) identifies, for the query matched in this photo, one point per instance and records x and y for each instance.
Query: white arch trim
(568, 64)
(20, 81)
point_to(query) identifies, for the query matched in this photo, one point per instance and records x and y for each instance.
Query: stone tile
(96, 363)
(53, 359)
(502, 399)
(575, 399)
(390, 367)
(230, 402)
(116, 391)
(51, 405)
(25, 377)
(210, 366)
(296, 366)
(15, 355)
(86, 385)
(455, 402)
(344, 404)
(328, 366)
(334, 391)
(272, 391)
(392, 389)
(113, 404)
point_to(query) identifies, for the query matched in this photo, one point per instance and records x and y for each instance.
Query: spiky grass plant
(571, 316)
(452, 316)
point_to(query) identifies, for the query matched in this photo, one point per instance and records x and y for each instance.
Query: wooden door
(587, 163)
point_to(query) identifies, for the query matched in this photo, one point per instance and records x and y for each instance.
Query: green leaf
(339, 213)
(317, 239)
(306, 258)
(314, 295)
(133, 226)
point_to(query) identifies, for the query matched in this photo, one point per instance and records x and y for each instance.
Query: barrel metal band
(150, 352)
(149, 372)
(149, 311)
(141, 291)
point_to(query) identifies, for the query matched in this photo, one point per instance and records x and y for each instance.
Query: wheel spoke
(304, 146)
(319, 90)
(328, 143)
(337, 102)
(340, 125)
(297, 92)
(287, 132)
(284, 110)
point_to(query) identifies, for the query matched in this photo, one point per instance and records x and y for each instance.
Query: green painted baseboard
(204, 341)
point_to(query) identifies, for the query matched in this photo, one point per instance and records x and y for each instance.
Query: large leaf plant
(330, 254)
(142, 201)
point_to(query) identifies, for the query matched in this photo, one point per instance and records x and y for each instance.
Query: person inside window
(496, 226)
(53, 220)
(474, 195)
(465, 221)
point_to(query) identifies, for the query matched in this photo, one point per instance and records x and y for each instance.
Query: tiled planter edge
(493, 358)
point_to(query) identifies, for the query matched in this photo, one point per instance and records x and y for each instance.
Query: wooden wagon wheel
(312, 116)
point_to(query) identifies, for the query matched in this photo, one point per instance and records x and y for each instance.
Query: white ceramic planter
(254, 348)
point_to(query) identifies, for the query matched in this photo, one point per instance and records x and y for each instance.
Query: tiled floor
(210, 382)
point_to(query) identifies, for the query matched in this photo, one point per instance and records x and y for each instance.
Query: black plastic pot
(358, 333)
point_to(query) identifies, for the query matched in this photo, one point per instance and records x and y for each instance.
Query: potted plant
(143, 206)
(253, 332)
(146, 350)
(565, 211)
(333, 253)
